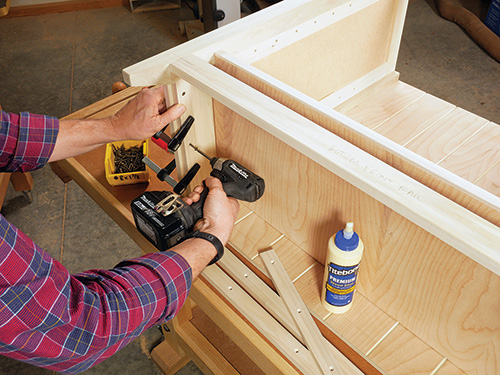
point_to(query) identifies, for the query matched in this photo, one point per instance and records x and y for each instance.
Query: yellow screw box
(116, 179)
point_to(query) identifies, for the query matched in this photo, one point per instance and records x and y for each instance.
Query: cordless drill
(166, 220)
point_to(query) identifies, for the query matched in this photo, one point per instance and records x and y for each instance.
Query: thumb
(200, 225)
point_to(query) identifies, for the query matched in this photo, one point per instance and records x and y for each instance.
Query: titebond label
(341, 284)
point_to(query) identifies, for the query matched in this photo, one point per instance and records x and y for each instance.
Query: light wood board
(428, 173)
(400, 253)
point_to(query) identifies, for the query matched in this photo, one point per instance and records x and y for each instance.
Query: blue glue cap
(347, 239)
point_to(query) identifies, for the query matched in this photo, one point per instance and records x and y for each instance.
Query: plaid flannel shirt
(64, 322)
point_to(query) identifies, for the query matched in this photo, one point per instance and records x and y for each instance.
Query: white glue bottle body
(345, 250)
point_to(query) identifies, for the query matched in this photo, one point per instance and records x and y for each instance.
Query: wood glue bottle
(345, 250)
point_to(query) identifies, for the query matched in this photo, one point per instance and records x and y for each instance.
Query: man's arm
(140, 118)
(83, 319)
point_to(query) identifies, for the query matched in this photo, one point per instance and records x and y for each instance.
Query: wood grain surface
(477, 155)
(412, 276)
(324, 73)
(397, 156)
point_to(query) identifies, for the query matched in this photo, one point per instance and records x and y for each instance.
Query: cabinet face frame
(192, 65)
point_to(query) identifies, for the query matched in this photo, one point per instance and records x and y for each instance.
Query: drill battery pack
(163, 218)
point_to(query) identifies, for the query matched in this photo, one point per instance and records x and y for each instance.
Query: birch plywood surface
(421, 170)
(294, 259)
(448, 368)
(363, 325)
(491, 180)
(402, 353)
(446, 135)
(252, 235)
(378, 105)
(477, 155)
(367, 328)
(451, 137)
(414, 119)
(417, 279)
(457, 140)
(311, 71)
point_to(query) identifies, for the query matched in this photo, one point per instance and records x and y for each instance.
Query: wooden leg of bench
(167, 359)
(59, 172)
(22, 181)
(4, 182)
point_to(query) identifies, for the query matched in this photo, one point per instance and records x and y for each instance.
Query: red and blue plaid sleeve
(64, 322)
(26, 141)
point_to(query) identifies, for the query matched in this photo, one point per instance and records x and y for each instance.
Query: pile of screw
(128, 160)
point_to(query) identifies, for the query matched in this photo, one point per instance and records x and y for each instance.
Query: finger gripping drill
(166, 220)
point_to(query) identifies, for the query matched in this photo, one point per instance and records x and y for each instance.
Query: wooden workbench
(337, 138)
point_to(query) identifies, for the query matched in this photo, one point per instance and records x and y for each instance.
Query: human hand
(219, 210)
(144, 115)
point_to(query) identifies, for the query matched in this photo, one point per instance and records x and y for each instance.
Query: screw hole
(296, 350)
(245, 275)
(230, 288)
(183, 93)
(299, 311)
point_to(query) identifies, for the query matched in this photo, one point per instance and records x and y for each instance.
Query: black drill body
(166, 226)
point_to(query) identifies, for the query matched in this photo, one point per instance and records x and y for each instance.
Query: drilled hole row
(296, 31)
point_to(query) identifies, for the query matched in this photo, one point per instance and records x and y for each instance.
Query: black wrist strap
(213, 240)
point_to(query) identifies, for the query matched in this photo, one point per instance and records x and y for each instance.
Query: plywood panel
(380, 103)
(449, 368)
(491, 180)
(363, 325)
(411, 275)
(309, 288)
(476, 156)
(294, 259)
(414, 119)
(402, 353)
(446, 290)
(446, 135)
(396, 158)
(317, 73)
(262, 235)
(243, 212)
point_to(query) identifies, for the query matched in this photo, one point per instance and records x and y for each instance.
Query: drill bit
(201, 152)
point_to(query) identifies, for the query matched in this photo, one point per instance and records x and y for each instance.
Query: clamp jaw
(172, 144)
(163, 174)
